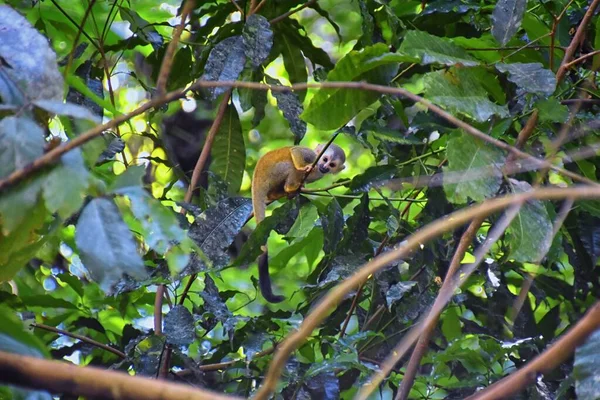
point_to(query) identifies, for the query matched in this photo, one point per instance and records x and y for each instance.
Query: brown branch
(158, 302)
(555, 22)
(580, 59)
(423, 342)
(577, 38)
(92, 382)
(552, 357)
(167, 61)
(80, 337)
(237, 6)
(53, 155)
(291, 12)
(335, 295)
(224, 364)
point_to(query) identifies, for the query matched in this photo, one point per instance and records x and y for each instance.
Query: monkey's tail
(264, 279)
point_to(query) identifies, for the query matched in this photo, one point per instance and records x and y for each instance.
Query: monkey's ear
(318, 148)
(343, 167)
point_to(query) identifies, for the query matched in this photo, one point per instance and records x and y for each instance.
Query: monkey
(279, 173)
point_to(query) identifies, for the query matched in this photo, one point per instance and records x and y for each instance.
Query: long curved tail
(264, 279)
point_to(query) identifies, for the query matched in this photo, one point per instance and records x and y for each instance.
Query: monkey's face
(332, 161)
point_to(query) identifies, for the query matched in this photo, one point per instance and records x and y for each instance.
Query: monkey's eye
(325, 158)
(332, 165)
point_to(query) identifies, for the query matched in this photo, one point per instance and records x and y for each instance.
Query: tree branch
(92, 382)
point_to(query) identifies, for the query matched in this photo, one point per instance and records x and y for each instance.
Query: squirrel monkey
(280, 173)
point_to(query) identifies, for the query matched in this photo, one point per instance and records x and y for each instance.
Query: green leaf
(22, 142)
(128, 180)
(531, 77)
(293, 60)
(307, 218)
(257, 38)
(431, 49)
(596, 58)
(506, 19)
(332, 108)
(550, 110)
(463, 91)
(47, 301)
(475, 166)
(315, 54)
(586, 368)
(228, 152)
(180, 329)
(530, 233)
(390, 135)
(105, 244)
(141, 28)
(65, 196)
(15, 339)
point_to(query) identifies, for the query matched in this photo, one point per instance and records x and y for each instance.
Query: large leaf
(67, 109)
(106, 245)
(530, 233)
(506, 19)
(372, 176)
(432, 49)
(315, 54)
(214, 230)
(180, 329)
(478, 164)
(22, 142)
(258, 39)
(532, 77)
(228, 152)
(27, 58)
(332, 108)
(586, 368)
(463, 90)
(225, 63)
(16, 203)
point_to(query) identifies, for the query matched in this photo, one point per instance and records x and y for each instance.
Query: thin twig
(291, 12)
(582, 58)
(167, 61)
(80, 337)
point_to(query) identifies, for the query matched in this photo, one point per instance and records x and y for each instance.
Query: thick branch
(91, 382)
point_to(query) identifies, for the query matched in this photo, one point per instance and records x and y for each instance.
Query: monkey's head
(332, 161)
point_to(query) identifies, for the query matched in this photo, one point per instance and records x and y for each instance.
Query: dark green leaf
(228, 152)
(225, 63)
(506, 19)
(293, 60)
(105, 244)
(332, 221)
(46, 300)
(258, 39)
(179, 326)
(141, 27)
(550, 110)
(291, 107)
(214, 230)
(396, 292)
(532, 77)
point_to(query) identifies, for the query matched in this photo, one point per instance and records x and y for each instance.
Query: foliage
(86, 242)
